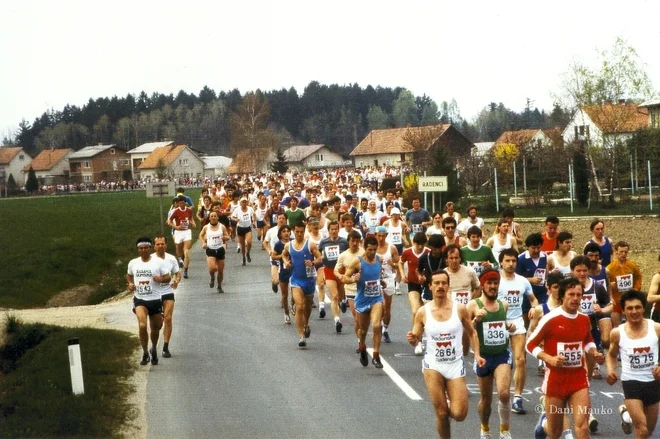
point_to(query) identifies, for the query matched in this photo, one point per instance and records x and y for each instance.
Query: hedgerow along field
(51, 244)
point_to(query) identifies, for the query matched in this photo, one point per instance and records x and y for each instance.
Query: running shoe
(185, 274)
(287, 320)
(376, 362)
(249, 259)
(485, 435)
(166, 353)
(539, 432)
(220, 290)
(593, 423)
(517, 406)
(338, 326)
(238, 249)
(397, 291)
(595, 374)
(145, 360)
(386, 337)
(244, 262)
(154, 357)
(627, 427)
(302, 342)
(541, 369)
(505, 435)
(180, 262)
(343, 305)
(364, 359)
(418, 349)
(212, 283)
(274, 288)
(322, 313)
(308, 331)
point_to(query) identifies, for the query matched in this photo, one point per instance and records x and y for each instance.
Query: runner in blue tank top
(366, 272)
(300, 256)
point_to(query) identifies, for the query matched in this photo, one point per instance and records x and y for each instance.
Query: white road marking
(394, 376)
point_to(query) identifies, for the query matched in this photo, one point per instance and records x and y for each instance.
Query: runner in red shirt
(411, 257)
(565, 337)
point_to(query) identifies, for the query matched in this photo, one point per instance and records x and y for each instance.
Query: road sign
(160, 189)
(433, 184)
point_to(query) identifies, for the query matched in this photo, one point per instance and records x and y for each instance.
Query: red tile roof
(617, 118)
(519, 137)
(167, 153)
(391, 141)
(46, 159)
(7, 153)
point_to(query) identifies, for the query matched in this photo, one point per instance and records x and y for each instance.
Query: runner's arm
(415, 336)
(610, 360)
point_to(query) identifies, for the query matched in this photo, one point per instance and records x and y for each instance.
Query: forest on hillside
(336, 115)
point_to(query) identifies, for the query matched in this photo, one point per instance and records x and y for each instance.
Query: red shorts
(329, 273)
(617, 305)
(562, 384)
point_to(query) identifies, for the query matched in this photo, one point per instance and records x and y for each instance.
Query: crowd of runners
(571, 307)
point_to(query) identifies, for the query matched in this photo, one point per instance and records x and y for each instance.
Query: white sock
(568, 434)
(336, 319)
(626, 417)
(384, 327)
(321, 304)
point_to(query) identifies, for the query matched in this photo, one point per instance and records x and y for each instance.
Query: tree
(404, 110)
(279, 165)
(620, 76)
(162, 171)
(376, 118)
(32, 183)
(249, 124)
(444, 164)
(420, 140)
(12, 187)
(581, 175)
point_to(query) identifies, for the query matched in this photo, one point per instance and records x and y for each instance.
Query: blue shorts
(284, 275)
(307, 285)
(260, 224)
(363, 304)
(492, 361)
(275, 263)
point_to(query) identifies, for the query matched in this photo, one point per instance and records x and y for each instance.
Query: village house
(51, 166)
(12, 161)
(142, 152)
(605, 125)
(301, 157)
(653, 107)
(94, 164)
(173, 161)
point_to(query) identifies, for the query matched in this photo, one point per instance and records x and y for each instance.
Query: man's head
(508, 260)
(534, 243)
(551, 226)
(370, 247)
(472, 212)
(439, 283)
(354, 239)
(570, 294)
(592, 251)
(452, 256)
(552, 283)
(299, 231)
(633, 303)
(160, 245)
(490, 283)
(435, 243)
(333, 230)
(144, 246)
(580, 268)
(474, 235)
(621, 249)
(381, 234)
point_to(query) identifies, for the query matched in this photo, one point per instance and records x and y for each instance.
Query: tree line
(339, 116)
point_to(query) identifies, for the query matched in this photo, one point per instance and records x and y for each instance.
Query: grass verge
(35, 391)
(50, 244)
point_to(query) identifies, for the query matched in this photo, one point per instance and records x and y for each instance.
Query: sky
(476, 52)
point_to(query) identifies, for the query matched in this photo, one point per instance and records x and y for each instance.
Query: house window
(319, 157)
(581, 130)
(124, 162)
(655, 119)
(539, 143)
(86, 164)
(87, 177)
(180, 162)
(21, 157)
(185, 162)
(112, 150)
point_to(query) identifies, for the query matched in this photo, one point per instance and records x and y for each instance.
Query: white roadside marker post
(75, 364)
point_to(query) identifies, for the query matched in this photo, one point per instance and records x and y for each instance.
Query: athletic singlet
(588, 298)
(143, 276)
(244, 217)
(497, 247)
(605, 251)
(394, 234)
(368, 286)
(385, 259)
(214, 237)
(563, 269)
(601, 278)
(638, 356)
(444, 340)
(492, 332)
(261, 213)
(298, 257)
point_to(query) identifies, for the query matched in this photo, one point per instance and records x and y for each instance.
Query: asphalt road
(237, 372)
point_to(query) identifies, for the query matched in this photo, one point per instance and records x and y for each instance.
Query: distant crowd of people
(500, 297)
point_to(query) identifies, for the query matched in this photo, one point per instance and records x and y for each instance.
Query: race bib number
(310, 271)
(624, 282)
(331, 252)
(462, 297)
(476, 266)
(416, 228)
(602, 282)
(395, 238)
(185, 224)
(215, 241)
(143, 287)
(273, 219)
(540, 272)
(445, 351)
(372, 288)
(572, 353)
(587, 304)
(641, 358)
(494, 333)
(512, 297)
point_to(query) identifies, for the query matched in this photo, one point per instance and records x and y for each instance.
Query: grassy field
(50, 244)
(35, 392)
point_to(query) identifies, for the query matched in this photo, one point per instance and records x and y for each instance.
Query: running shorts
(492, 361)
(563, 384)
(242, 231)
(308, 286)
(168, 296)
(450, 371)
(218, 253)
(153, 306)
(646, 391)
(520, 326)
(329, 273)
(182, 236)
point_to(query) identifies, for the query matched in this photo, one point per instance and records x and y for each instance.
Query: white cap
(395, 211)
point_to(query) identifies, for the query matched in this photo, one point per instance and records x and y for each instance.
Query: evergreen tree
(581, 175)
(444, 165)
(32, 184)
(12, 188)
(279, 165)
